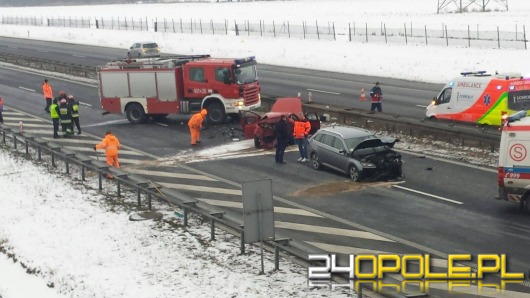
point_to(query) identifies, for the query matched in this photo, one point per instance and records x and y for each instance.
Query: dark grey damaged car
(356, 152)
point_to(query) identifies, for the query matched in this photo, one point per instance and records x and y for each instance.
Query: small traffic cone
(363, 95)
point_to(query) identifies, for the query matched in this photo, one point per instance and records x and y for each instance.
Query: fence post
(261, 28)
(191, 26)
(366, 31)
(273, 28)
(173, 25)
(39, 151)
(226, 27)
(288, 29)
(181, 29)
(82, 172)
(334, 35)
(67, 165)
(139, 197)
(213, 30)
(406, 40)
(100, 182)
(426, 35)
(200, 25)
(156, 26)
(446, 38)
(524, 38)
(498, 37)
(384, 27)
(118, 188)
(248, 27)
(318, 33)
(468, 37)
(237, 29)
(303, 27)
(349, 32)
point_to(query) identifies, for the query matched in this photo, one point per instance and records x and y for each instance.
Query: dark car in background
(143, 49)
(261, 127)
(356, 152)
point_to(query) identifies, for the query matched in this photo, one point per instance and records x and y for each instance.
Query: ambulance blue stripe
(517, 170)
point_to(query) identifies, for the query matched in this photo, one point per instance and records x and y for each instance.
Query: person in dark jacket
(73, 104)
(282, 138)
(65, 114)
(376, 95)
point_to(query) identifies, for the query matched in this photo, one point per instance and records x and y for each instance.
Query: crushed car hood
(290, 105)
(376, 142)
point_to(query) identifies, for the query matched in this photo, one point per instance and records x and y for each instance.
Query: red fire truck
(156, 87)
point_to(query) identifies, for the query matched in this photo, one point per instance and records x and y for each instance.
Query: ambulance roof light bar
(480, 73)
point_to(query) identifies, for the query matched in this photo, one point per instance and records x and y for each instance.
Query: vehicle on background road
(261, 127)
(356, 152)
(477, 97)
(143, 50)
(156, 87)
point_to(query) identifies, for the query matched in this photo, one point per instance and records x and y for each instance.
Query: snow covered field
(74, 238)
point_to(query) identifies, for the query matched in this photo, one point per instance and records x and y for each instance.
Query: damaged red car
(261, 127)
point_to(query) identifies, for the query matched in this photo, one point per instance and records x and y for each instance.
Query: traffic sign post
(258, 213)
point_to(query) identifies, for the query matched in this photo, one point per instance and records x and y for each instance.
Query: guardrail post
(100, 181)
(39, 153)
(15, 141)
(185, 213)
(118, 186)
(212, 223)
(149, 201)
(139, 197)
(53, 159)
(82, 172)
(27, 146)
(67, 165)
(277, 243)
(242, 235)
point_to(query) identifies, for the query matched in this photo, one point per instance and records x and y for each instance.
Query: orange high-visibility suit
(47, 90)
(195, 125)
(111, 144)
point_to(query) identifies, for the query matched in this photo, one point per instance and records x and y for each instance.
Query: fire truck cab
(156, 87)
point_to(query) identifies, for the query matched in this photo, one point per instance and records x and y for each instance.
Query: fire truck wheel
(135, 114)
(216, 113)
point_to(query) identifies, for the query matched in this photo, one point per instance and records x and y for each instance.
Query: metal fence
(444, 35)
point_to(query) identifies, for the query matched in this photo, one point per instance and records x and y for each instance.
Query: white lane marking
(284, 210)
(85, 104)
(21, 119)
(447, 160)
(323, 91)
(42, 51)
(86, 149)
(202, 188)
(11, 112)
(229, 155)
(79, 56)
(27, 89)
(330, 231)
(161, 124)
(77, 141)
(171, 175)
(421, 106)
(101, 156)
(428, 194)
(341, 249)
(107, 123)
(26, 124)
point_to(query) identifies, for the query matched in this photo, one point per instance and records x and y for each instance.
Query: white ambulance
(514, 161)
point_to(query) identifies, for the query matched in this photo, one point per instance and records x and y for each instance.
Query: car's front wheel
(354, 173)
(257, 143)
(315, 162)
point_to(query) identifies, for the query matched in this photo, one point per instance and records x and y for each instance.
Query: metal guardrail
(281, 247)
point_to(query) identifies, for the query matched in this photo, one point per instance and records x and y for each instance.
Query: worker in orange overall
(48, 94)
(195, 125)
(111, 144)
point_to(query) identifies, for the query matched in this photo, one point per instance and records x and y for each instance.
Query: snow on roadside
(81, 242)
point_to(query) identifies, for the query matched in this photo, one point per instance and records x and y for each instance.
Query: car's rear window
(150, 45)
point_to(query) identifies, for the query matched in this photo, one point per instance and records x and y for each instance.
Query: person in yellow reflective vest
(74, 108)
(54, 114)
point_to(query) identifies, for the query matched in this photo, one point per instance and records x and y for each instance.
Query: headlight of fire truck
(238, 103)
